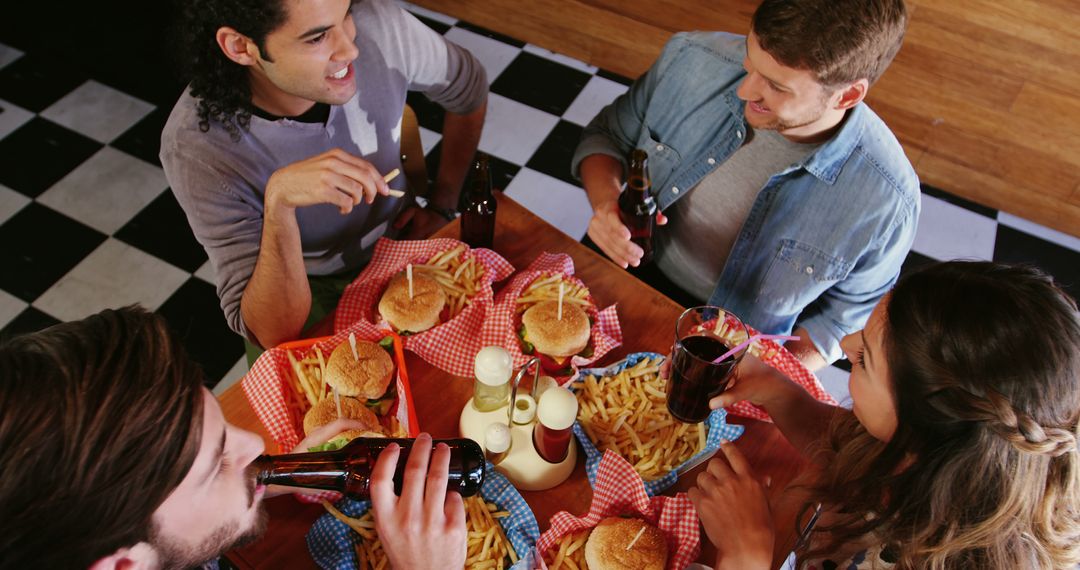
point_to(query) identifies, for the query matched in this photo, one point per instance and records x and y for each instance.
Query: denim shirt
(825, 238)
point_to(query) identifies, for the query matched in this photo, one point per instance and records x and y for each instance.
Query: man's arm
(804, 350)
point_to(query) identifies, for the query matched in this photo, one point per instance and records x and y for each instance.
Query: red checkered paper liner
(500, 328)
(267, 390)
(450, 346)
(619, 491)
(775, 355)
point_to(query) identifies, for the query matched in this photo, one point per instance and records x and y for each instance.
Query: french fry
(568, 552)
(487, 546)
(459, 278)
(628, 414)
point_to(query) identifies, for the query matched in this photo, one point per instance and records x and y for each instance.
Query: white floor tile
(232, 376)
(12, 118)
(428, 139)
(429, 14)
(206, 272)
(560, 204)
(107, 190)
(10, 307)
(10, 202)
(114, 275)
(513, 131)
(835, 382)
(560, 58)
(596, 95)
(494, 55)
(98, 111)
(1050, 235)
(949, 232)
(8, 54)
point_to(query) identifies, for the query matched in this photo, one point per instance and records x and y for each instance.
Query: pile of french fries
(546, 288)
(306, 378)
(460, 278)
(733, 335)
(628, 414)
(568, 552)
(488, 547)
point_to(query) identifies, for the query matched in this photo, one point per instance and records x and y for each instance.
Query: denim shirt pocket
(663, 158)
(798, 274)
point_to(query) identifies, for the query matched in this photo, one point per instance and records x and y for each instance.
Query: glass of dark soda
(701, 335)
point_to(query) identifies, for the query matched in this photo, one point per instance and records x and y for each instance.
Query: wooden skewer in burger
(412, 302)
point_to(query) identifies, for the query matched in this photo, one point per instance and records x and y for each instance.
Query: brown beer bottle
(478, 215)
(637, 208)
(348, 470)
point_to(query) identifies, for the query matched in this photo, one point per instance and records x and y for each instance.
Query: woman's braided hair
(222, 86)
(983, 470)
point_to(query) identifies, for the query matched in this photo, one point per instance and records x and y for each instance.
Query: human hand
(613, 238)
(333, 177)
(419, 223)
(753, 381)
(734, 511)
(425, 527)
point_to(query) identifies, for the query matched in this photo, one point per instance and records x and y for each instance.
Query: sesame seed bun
(416, 314)
(555, 337)
(606, 547)
(365, 375)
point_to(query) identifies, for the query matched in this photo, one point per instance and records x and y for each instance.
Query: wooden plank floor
(984, 95)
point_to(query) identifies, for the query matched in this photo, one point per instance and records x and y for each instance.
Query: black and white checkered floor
(87, 220)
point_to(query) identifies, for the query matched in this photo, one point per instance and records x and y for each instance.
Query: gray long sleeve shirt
(220, 182)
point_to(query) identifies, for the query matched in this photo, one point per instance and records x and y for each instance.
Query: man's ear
(139, 557)
(236, 46)
(852, 94)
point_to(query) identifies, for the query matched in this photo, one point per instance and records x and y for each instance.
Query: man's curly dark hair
(220, 84)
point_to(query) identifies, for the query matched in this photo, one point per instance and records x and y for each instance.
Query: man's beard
(781, 125)
(175, 555)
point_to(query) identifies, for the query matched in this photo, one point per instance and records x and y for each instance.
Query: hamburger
(626, 543)
(412, 314)
(364, 375)
(326, 411)
(552, 339)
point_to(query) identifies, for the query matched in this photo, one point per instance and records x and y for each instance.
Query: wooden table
(647, 318)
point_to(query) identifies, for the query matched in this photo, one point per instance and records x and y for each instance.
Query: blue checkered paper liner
(333, 544)
(717, 429)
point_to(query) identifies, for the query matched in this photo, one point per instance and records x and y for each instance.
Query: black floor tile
(493, 35)
(28, 321)
(540, 83)
(40, 153)
(555, 153)
(843, 364)
(914, 262)
(40, 247)
(615, 77)
(161, 229)
(502, 172)
(193, 313)
(1015, 246)
(429, 115)
(143, 139)
(439, 27)
(958, 201)
(34, 82)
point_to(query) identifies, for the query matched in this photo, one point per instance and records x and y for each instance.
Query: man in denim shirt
(791, 202)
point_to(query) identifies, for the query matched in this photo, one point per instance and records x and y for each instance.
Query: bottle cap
(493, 366)
(557, 409)
(497, 438)
(524, 409)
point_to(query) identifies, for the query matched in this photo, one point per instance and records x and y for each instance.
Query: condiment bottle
(555, 414)
(497, 440)
(637, 207)
(493, 369)
(478, 215)
(348, 470)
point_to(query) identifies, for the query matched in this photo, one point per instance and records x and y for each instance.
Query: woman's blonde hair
(983, 470)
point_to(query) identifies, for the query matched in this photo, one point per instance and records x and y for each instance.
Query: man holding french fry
(281, 149)
(114, 455)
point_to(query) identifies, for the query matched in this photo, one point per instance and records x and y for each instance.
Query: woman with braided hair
(960, 450)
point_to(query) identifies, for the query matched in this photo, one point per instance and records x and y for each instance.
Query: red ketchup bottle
(555, 415)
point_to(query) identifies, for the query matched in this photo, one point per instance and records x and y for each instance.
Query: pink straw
(747, 342)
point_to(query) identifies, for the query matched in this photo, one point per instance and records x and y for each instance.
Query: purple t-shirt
(219, 181)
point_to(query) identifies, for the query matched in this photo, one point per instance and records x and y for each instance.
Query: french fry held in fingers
(628, 414)
(568, 552)
(459, 277)
(546, 288)
(487, 545)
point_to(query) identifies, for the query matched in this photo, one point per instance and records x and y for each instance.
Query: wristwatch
(449, 213)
